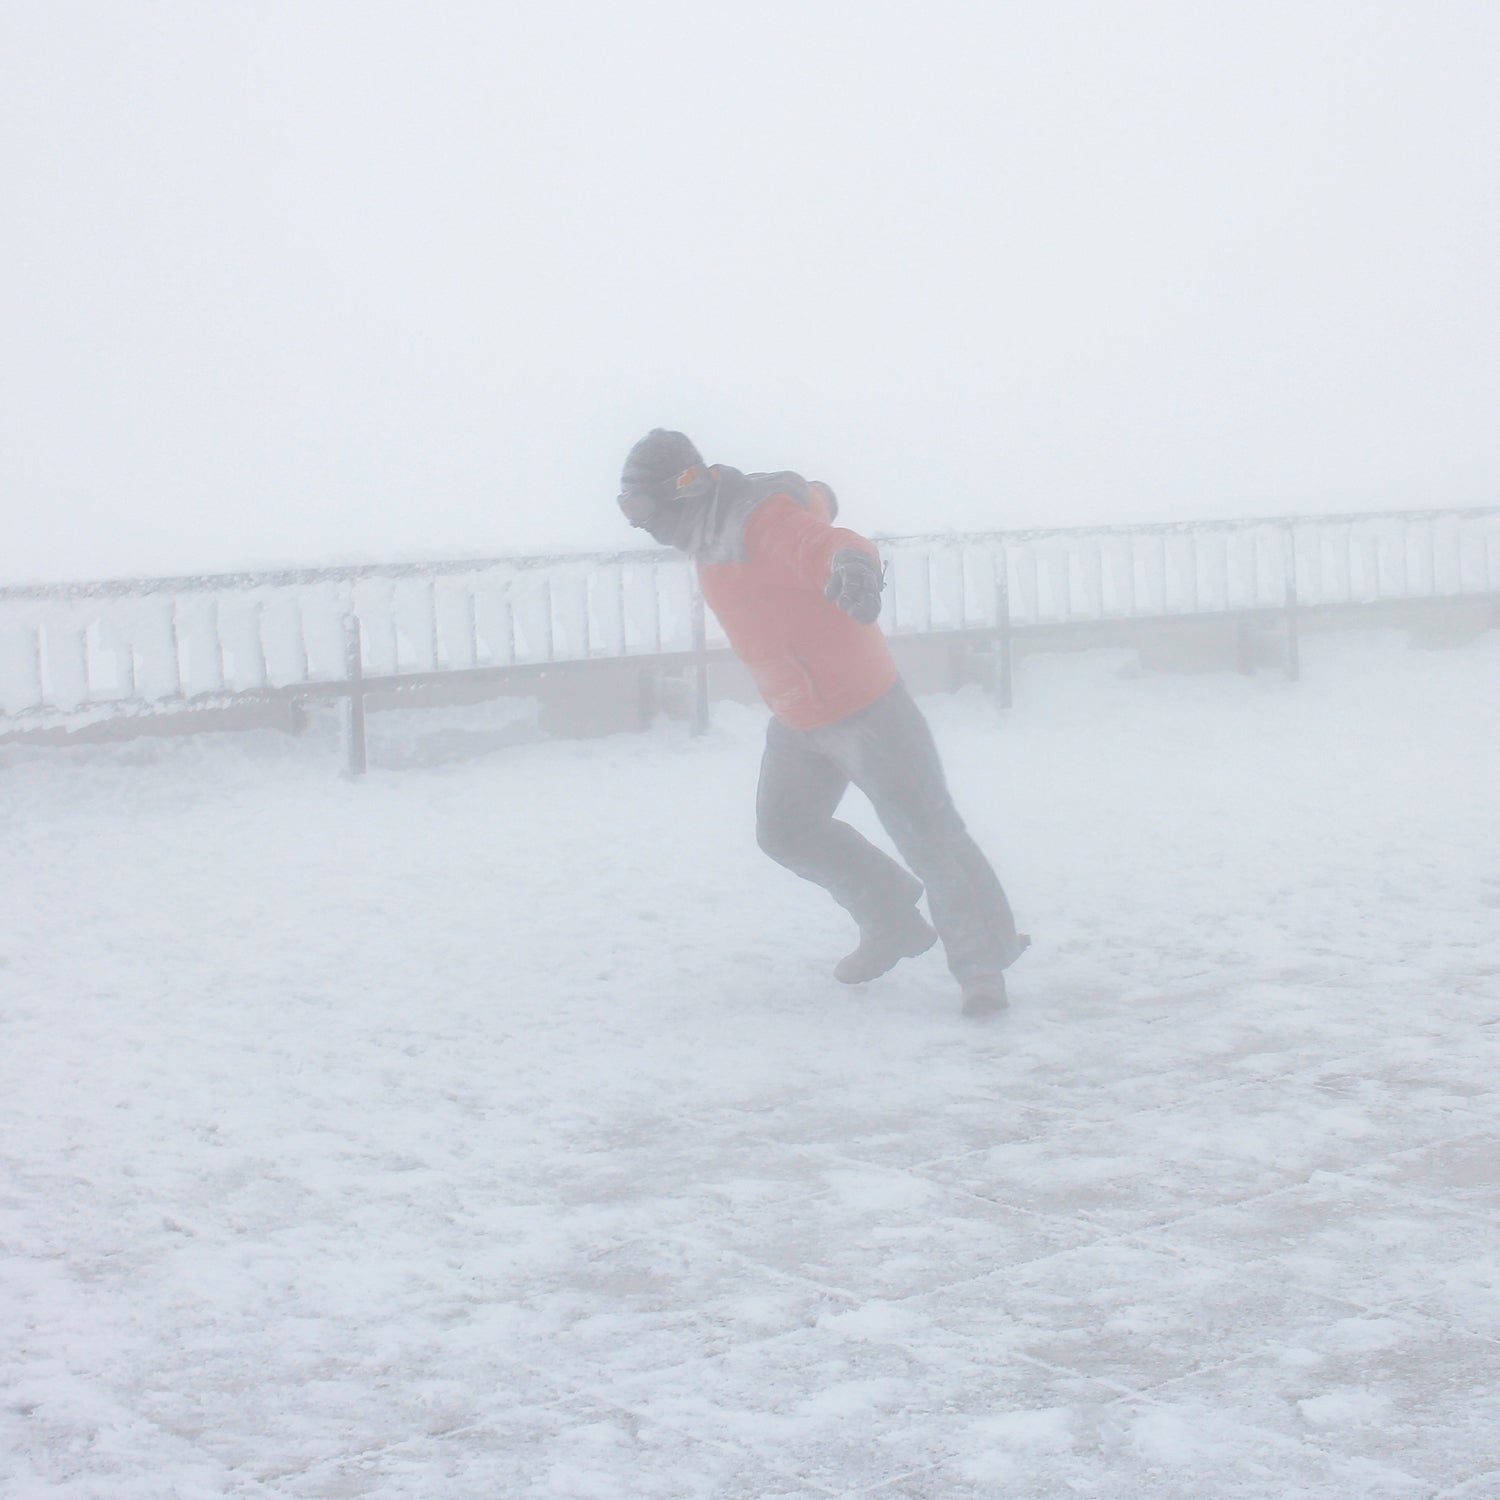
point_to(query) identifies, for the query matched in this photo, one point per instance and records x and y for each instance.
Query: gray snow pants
(887, 751)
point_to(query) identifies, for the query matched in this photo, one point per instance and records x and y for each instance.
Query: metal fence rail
(77, 653)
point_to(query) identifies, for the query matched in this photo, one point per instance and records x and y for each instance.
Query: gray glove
(854, 584)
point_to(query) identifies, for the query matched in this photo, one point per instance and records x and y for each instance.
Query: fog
(297, 283)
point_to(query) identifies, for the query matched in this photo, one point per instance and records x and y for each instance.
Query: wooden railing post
(1004, 682)
(700, 664)
(1293, 642)
(355, 758)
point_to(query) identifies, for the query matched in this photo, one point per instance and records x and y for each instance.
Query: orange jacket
(812, 663)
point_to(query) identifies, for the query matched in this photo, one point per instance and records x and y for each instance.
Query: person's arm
(798, 544)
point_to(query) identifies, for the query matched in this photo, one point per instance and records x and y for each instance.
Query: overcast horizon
(291, 284)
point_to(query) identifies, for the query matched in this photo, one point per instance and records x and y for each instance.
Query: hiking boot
(881, 950)
(984, 997)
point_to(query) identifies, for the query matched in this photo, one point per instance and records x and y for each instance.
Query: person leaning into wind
(798, 598)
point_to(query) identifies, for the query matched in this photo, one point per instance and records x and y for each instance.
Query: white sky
(302, 282)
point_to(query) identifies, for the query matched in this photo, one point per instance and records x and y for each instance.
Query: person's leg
(799, 791)
(887, 750)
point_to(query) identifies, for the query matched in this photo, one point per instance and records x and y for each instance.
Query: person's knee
(929, 831)
(780, 838)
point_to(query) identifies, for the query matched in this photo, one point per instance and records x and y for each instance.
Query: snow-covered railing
(74, 653)
(1188, 568)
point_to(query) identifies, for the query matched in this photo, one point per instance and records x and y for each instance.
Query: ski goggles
(639, 505)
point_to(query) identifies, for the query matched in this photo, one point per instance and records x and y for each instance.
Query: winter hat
(657, 460)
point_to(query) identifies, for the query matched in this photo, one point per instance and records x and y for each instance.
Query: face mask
(638, 506)
(659, 511)
(664, 524)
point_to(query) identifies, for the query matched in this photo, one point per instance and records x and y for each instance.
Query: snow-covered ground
(491, 1127)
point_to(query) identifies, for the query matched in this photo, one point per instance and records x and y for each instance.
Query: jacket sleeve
(783, 536)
